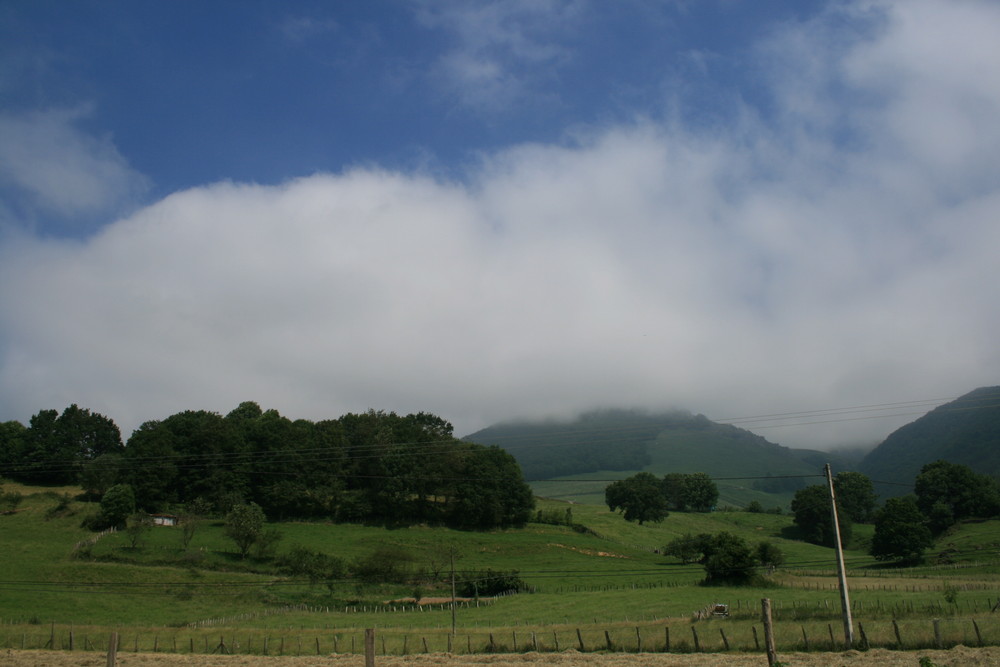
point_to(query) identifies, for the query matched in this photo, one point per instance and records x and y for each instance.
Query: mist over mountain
(965, 431)
(629, 440)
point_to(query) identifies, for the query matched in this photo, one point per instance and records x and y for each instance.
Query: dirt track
(958, 657)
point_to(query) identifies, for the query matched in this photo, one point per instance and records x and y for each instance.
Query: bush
(489, 582)
(117, 505)
(728, 560)
(387, 564)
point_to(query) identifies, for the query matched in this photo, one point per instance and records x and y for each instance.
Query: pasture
(603, 590)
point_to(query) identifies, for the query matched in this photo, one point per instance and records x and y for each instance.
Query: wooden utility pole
(845, 599)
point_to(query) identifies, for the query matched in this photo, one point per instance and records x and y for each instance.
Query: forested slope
(965, 431)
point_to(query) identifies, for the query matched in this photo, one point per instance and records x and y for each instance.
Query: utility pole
(845, 600)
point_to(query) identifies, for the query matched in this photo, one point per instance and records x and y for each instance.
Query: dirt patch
(588, 552)
(959, 656)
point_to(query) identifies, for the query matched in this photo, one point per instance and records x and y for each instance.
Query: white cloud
(500, 50)
(754, 271)
(54, 167)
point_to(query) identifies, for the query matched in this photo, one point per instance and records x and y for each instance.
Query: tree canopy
(811, 508)
(375, 466)
(950, 492)
(639, 498)
(901, 533)
(55, 447)
(856, 498)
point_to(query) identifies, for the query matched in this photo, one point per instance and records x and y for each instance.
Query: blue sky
(498, 209)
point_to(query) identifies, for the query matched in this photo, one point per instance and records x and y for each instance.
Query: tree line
(371, 467)
(944, 494)
(645, 497)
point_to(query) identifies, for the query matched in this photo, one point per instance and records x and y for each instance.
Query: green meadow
(605, 577)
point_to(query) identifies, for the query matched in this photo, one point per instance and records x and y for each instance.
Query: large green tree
(901, 532)
(488, 491)
(949, 492)
(639, 498)
(55, 447)
(728, 560)
(811, 508)
(855, 494)
(700, 492)
(689, 491)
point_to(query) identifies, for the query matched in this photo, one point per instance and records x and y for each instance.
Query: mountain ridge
(964, 431)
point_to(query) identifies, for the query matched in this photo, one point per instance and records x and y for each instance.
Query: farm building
(164, 519)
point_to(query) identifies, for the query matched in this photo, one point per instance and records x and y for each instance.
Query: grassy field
(607, 580)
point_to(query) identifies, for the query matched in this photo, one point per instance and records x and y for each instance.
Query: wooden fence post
(864, 636)
(725, 640)
(756, 641)
(697, 645)
(666, 633)
(607, 640)
(899, 639)
(113, 650)
(772, 654)
(638, 640)
(579, 638)
(937, 632)
(369, 647)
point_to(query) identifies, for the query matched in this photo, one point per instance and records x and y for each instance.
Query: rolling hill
(615, 443)
(965, 431)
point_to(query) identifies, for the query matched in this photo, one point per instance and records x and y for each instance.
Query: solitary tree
(901, 533)
(689, 548)
(136, 527)
(769, 555)
(244, 526)
(700, 492)
(117, 505)
(639, 497)
(729, 560)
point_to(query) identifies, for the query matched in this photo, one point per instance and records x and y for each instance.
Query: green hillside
(47, 579)
(964, 431)
(614, 444)
(606, 577)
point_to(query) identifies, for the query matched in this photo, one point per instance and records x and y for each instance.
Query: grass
(608, 579)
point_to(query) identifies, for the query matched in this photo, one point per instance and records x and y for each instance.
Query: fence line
(652, 638)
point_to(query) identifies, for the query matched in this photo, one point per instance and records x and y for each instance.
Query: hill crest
(964, 431)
